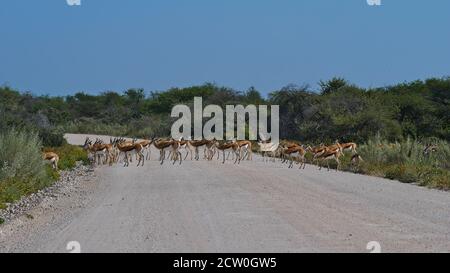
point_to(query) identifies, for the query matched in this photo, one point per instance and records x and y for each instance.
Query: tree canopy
(338, 110)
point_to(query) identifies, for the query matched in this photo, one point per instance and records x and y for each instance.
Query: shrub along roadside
(403, 161)
(22, 169)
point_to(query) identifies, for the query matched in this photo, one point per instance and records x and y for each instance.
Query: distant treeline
(339, 110)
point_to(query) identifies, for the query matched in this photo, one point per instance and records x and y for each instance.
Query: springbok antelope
(245, 148)
(53, 158)
(104, 150)
(329, 155)
(229, 146)
(336, 146)
(295, 152)
(114, 151)
(211, 149)
(176, 154)
(89, 147)
(126, 148)
(350, 146)
(146, 145)
(197, 144)
(162, 146)
(111, 152)
(99, 150)
(284, 147)
(316, 151)
(168, 145)
(123, 142)
(186, 145)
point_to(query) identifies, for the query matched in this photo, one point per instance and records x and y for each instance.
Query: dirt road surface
(256, 206)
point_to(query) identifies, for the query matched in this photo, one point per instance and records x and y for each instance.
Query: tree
(332, 85)
(252, 96)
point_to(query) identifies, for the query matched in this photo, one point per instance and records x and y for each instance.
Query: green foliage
(52, 138)
(349, 113)
(332, 85)
(162, 102)
(20, 155)
(339, 110)
(404, 161)
(252, 96)
(144, 127)
(22, 170)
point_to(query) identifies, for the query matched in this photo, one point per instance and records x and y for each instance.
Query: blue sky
(48, 47)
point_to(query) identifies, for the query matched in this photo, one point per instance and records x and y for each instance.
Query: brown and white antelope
(99, 150)
(127, 148)
(349, 146)
(89, 147)
(245, 147)
(231, 147)
(186, 145)
(51, 157)
(168, 145)
(284, 147)
(146, 145)
(197, 144)
(295, 152)
(316, 151)
(336, 146)
(327, 155)
(211, 149)
(114, 152)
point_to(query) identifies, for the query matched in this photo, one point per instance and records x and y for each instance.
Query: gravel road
(256, 206)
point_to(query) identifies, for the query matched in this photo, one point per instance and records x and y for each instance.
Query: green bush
(51, 138)
(439, 181)
(405, 161)
(144, 127)
(403, 173)
(22, 170)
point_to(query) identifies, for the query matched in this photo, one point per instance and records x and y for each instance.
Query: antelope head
(87, 143)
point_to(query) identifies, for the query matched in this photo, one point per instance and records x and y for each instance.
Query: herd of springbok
(122, 150)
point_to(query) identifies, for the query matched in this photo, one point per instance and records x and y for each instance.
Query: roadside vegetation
(22, 169)
(404, 161)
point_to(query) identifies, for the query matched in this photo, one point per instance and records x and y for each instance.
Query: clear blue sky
(48, 47)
